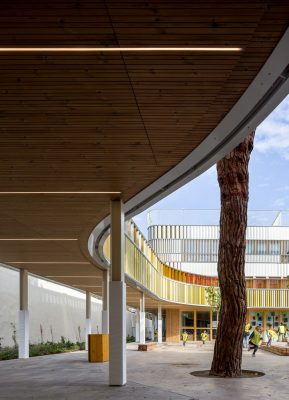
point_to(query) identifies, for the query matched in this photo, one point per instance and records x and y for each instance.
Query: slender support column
(137, 326)
(105, 301)
(23, 338)
(211, 325)
(142, 320)
(87, 317)
(117, 297)
(265, 338)
(155, 326)
(195, 325)
(160, 324)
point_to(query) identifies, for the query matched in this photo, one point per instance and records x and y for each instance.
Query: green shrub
(8, 353)
(42, 349)
(130, 339)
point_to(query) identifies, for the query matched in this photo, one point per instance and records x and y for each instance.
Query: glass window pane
(203, 319)
(187, 319)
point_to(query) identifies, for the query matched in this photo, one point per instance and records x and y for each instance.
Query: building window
(249, 247)
(274, 247)
(261, 247)
(187, 319)
(203, 319)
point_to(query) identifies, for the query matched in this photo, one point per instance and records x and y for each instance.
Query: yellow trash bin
(98, 348)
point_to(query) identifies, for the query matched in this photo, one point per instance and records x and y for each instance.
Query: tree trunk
(233, 180)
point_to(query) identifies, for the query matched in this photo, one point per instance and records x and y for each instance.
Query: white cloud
(273, 133)
(282, 188)
(262, 185)
(279, 203)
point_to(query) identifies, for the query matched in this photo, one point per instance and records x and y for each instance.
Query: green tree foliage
(213, 298)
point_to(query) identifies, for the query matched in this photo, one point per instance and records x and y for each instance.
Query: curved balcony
(146, 270)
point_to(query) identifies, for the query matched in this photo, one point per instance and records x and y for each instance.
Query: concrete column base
(23, 336)
(160, 324)
(117, 337)
(87, 331)
(160, 331)
(142, 327)
(105, 322)
(137, 326)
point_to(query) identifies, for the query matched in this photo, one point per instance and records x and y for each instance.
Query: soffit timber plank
(112, 122)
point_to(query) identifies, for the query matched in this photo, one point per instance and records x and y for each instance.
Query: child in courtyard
(246, 335)
(204, 337)
(185, 338)
(272, 335)
(255, 339)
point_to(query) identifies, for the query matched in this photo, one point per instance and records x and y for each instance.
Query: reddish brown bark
(233, 180)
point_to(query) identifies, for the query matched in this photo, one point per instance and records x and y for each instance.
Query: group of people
(185, 336)
(252, 338)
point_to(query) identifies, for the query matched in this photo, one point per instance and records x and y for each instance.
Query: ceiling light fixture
(87, 286)
(79, 192)
(37, 239)
(71, 276)
(47, 262)
(114, 49)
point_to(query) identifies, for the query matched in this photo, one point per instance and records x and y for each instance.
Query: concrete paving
(161, 374)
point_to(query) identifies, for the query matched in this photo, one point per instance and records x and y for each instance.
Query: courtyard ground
(161, 374)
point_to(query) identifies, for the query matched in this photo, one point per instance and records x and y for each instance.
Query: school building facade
(188, 250)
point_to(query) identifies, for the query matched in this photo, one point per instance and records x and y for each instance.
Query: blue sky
(269, 174)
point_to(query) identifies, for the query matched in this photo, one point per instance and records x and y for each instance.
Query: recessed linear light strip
(47, 262)
(91, 286)
(115, 49)
(71, 276)
(36, 239)
(79, 192)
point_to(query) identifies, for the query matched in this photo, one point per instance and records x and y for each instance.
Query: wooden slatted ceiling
(111, 122)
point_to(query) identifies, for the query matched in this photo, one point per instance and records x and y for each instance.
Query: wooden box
(147, 346)
(98, 348)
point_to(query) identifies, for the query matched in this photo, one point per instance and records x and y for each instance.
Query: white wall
(53, 306)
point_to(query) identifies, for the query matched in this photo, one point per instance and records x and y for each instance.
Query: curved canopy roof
(113, 121)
